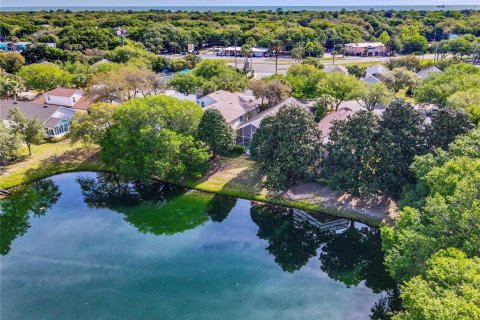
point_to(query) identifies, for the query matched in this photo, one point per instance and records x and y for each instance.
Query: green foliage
(154, 137)
(400, 78)
(447, 217)
(351, 161)
(304, 79)
(91, 127)
(11, 62)
(30, 131)
(42, 52)
(186, 83)
(9, 144)
(439, 87)
(238, 150)
(321, 110)
(357, 71)
(339, 86)
(448, 289)
(215, 132)
(44, 76)
(445, 125)
(373, 95)
(287, 147)
(401, 138)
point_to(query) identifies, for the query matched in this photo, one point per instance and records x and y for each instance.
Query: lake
(88, 246)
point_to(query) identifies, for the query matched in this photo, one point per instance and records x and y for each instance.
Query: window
(73, 99)
(242, 118)
(48, 98)
(202, 103)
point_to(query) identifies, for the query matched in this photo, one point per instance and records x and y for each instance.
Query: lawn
(48, 159)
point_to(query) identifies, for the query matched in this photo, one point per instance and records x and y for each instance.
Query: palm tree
(246, 50)
(276, 46)
(11, 86)
(309, 47)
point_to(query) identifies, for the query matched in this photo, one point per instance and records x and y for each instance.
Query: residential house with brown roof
(56, 120)
(236, 108)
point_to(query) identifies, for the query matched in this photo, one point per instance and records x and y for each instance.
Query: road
(266, 66)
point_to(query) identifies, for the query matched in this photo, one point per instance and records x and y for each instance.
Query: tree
(304, 79)
(357, 71)
(401, 138)
(372, 95)
(11, 61)
(339, 86)
(186, 83)
(11, 86)
(411, 63)
(384, 37)
(276, 46)
(287, 147)
(297, 53)
(439, 87)
(446, 124)
(153, 136)
(448, 289)
(9, 144)
(215, 132)
(351, 163)
(447, 183)
(91, 127)
(29, 130)
(44, 76)
(400, 78)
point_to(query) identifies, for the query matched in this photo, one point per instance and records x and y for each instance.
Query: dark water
(246, 8)
(86, 246)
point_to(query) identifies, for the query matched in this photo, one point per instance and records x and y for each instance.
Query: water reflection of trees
(35, 199)
(292, 243)
(351, 255)
(156, 208)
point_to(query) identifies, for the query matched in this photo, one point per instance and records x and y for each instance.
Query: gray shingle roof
(29, 109)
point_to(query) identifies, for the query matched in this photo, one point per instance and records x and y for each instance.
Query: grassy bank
(49, 159)
(232, 176)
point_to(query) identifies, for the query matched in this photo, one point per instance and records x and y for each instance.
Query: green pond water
(87, 246)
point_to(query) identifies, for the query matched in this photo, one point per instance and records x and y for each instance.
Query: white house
(65, 97)
(55, 120)
(236, 108)
(260, 52)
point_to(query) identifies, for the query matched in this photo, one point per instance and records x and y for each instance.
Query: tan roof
(365, 44)
(257, 119)
(62, 92)
(231, 105)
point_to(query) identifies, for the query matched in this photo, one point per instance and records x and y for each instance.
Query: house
(366, 49)
(236, 108)
(339, 69)
(56, 120)
(65, 97)
(346, 109)
(376, 70)
(425, 73)
(20, 46)
(371, 79)
(245, 131)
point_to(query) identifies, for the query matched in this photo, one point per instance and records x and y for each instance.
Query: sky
(275, 3)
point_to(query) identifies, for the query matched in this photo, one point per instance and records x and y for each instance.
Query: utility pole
(235, 51)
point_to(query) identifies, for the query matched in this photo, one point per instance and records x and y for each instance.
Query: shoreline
(230, 176)
(297, 204)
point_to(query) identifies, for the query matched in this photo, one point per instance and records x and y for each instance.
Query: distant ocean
(246, 8)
